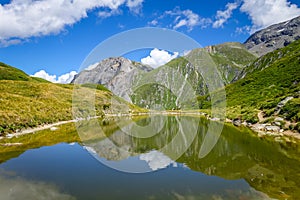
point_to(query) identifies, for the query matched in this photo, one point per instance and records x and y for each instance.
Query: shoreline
(258, 128)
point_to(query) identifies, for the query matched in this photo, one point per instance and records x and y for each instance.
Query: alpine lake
(157, 157)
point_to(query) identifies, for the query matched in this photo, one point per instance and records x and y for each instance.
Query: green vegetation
(95, 86)
(66, 133)
(28, 102)
(230, 59)
(11, 73)
(263, 90)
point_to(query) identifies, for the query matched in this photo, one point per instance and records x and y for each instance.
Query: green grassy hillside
(8, 72)
(270, 80)
(29, 102)
(229, 58)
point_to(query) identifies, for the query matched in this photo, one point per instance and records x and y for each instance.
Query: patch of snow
(91, 67)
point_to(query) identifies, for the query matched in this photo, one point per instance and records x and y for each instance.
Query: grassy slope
(230, 59)
(262, 90)
(29, 102)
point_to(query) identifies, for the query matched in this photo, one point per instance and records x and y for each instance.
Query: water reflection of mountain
(272, 168)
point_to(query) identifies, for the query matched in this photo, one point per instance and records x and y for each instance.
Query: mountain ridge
(274, 37)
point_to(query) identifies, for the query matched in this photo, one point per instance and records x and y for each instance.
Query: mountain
(274, 37)
(179, 80)
(116, 74)
(162, 86)
(270, 86)
(231, 58)
(179, 85)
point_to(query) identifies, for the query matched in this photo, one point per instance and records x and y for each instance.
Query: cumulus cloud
(157, 160)
(65, 78)
(43, 74)
(223, 16)
(158, 58)
(30, 18)
(264, 13)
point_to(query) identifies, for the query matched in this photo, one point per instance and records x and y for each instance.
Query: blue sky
(57, 35)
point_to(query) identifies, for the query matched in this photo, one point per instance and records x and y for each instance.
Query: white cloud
(158, 58)
(243, 30)
(187, 18)
(65, 78)
(135, 6)
(190, 20)
(30, 18)
(223, 16)
(264, 13)
(43, 74)
(106, 14)
(157, 160)
(153, 22)
(182, 18)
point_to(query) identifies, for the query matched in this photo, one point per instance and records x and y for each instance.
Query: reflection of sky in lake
(75, 172)
(13, 187)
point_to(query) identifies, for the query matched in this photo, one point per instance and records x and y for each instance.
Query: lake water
(150, 158)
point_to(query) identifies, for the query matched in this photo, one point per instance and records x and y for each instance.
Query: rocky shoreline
(261, 129)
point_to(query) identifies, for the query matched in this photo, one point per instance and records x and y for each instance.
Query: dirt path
(39, 128)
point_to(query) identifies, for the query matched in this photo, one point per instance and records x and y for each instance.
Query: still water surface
(239, 166)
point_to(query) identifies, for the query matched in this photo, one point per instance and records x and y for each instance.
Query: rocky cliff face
(117, 74)
(274, 37)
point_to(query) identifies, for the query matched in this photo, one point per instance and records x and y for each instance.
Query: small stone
(260, 127)
(228, 120)
(244, 123)
(273, 128)
(53, 128)
(278, 119)
(277, 123)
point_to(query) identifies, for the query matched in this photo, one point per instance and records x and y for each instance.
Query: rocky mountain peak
(115, 73)
(274, 37)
